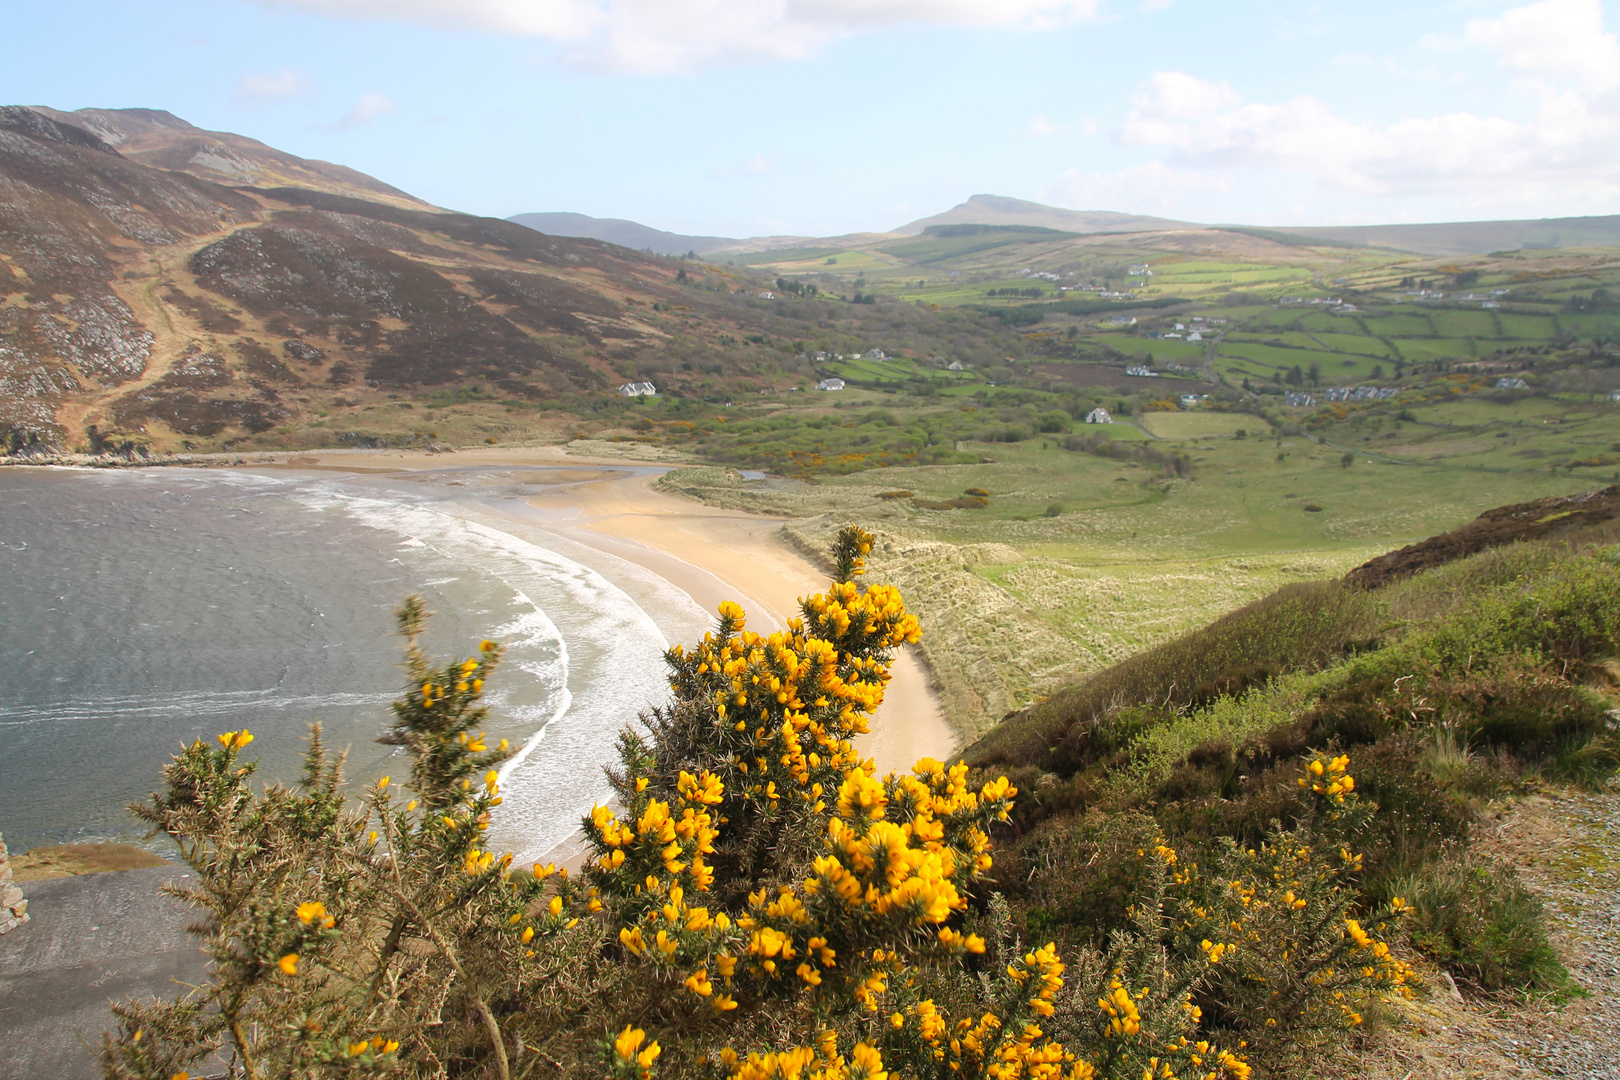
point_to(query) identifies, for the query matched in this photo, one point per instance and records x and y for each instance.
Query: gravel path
(1569, 848)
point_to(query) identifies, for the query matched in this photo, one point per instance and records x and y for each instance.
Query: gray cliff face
(13, 908)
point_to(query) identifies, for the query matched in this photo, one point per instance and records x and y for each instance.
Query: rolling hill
(170, 287)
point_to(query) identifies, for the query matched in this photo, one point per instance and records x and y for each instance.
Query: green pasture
(1528, 327)
(1466, 324)
(1355, 343)
(1198, 424)
(1401, 325)
(1421, 350)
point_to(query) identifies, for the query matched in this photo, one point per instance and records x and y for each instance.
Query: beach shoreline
(612, 506)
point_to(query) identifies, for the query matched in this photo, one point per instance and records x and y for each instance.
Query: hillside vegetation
(1243, 879)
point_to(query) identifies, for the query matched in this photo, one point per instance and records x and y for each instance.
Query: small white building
(767, 296)
(1122, 320)
(956, 365)
(1099, 415)
(1508, 382)
(638, 389)
(1141, 371)
(1614, 395)
(1299, 401)
(876, 354)
(1195, 336)
(830, 384)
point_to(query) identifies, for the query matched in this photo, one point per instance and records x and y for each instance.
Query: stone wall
(13, 908)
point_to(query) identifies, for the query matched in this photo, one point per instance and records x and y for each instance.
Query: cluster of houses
(1103, 291)
(1302, 400)
(1361, 393)
(1141, 371)
(827, 357)
(1139, 270)
(1332, 304)
(1180, 329)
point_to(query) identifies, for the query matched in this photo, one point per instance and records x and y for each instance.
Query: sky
(822, 117)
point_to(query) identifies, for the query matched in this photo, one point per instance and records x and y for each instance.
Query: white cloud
(1042, 126)
(1143, 188)
(655, 36)
(1553, 38)
(759, 165)
(1568, 154)
(368, 108)
(258, 88)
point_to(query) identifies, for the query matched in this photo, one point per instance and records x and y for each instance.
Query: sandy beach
(709, 553)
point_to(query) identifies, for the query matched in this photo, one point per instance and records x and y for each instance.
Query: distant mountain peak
(1003, 210)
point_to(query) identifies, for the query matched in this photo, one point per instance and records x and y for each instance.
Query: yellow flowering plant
(356, 938)
(757, 902)
(1300, 962)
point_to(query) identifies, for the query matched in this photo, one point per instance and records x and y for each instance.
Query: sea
(144, 608)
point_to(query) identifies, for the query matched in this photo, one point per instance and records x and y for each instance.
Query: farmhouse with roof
(830, 384)
(638, 389)
(1099, 415)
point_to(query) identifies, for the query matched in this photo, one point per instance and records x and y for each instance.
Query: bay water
(141, 608)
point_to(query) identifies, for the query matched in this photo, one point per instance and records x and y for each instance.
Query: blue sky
(747, 117)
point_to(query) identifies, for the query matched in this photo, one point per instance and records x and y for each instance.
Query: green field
(1197, 425)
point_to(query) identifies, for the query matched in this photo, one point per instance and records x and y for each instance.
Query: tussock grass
(1299, 627)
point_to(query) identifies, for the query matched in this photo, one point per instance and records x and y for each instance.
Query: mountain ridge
(1428, 238)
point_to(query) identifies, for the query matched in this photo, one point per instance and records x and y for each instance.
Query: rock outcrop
(13, 908)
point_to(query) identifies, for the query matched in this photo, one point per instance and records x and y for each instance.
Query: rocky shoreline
(13, 906)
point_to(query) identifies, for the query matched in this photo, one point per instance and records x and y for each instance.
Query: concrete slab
(91, 940)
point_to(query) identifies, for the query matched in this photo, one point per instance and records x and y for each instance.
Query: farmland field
(1196, 425)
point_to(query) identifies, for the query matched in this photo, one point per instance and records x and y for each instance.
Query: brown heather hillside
(170, 287)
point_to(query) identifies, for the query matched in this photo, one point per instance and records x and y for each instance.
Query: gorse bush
(756, 903)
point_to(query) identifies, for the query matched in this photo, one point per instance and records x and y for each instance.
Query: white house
(1507, 382)
(767, 296)
(956, 365)
(639, 389)
(1141, 371)
(1122, 320)
(876, 354)
(1299, 400)
(1099, 415)
(1195, 336)
(1614, 395)
(1180, 327)
(830, 384)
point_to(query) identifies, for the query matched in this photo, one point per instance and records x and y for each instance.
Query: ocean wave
(204, 703)
(587, 650)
